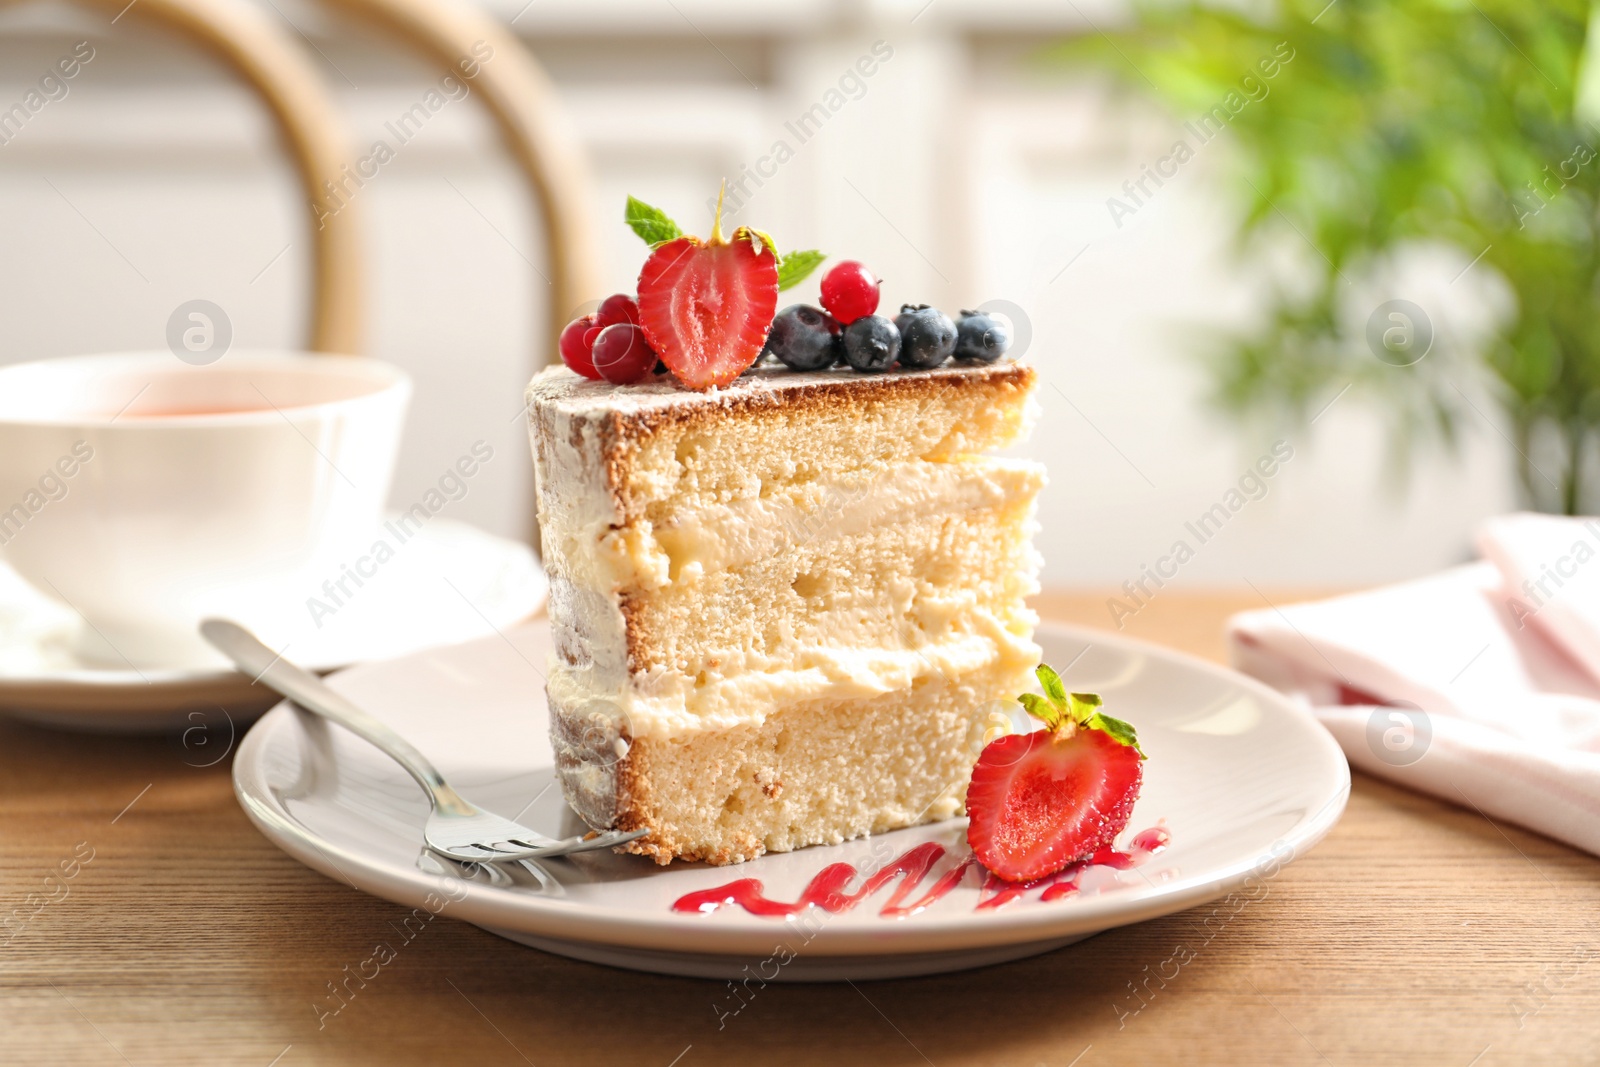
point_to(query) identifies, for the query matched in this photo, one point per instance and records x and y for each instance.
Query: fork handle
(313, 694)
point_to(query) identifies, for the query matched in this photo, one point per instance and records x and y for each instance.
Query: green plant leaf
(1364, 134)
(1120, 731)
(650, 223)
(1051, 682)
(1082, 706)
(1041, 709)
(760, 238)
(796, 267)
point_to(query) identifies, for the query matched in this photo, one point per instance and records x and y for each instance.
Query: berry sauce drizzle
(828, 889)
(1064, 883)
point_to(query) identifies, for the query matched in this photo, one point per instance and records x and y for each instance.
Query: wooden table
(1416, 933)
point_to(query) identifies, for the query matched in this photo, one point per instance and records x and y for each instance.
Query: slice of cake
(783, 610)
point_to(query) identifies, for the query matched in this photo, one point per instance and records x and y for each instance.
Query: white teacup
(146, 493)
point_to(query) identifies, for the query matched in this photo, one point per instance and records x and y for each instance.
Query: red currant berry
(577, 346)
(849, 291)
(622, 355)
(618, 308)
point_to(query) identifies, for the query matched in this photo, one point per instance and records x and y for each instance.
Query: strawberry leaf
(760, 239)
(1052, 685)
(796, 267)
(1041, 709)
(650, 223)
(1081, 707)
(1119, 731)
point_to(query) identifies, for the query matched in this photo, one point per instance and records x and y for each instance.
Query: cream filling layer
(750, 686)
(648, 555)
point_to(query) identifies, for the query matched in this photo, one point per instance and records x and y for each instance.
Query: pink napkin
(1480, 685)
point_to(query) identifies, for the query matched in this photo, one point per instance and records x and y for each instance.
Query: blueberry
(927, 336)
(981, 337)
(871, 343)
(803, 338)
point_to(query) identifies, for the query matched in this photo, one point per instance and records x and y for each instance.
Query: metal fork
(456, 828)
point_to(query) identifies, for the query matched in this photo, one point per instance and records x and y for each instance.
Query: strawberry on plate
(1041, 801)
(706, 306)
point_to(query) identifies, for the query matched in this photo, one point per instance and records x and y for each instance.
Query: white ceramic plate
(448, 583)
(1239, 778)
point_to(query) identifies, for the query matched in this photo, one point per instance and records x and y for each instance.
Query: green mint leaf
(796, 267)
(1119, 731)
(650, 223)
(1052, 685)
(1041, 709)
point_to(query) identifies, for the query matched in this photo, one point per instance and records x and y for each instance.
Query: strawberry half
(706, 306)
(1039, 802)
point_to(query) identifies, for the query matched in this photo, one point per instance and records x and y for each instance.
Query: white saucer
(1241, 780)
(449, 583)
